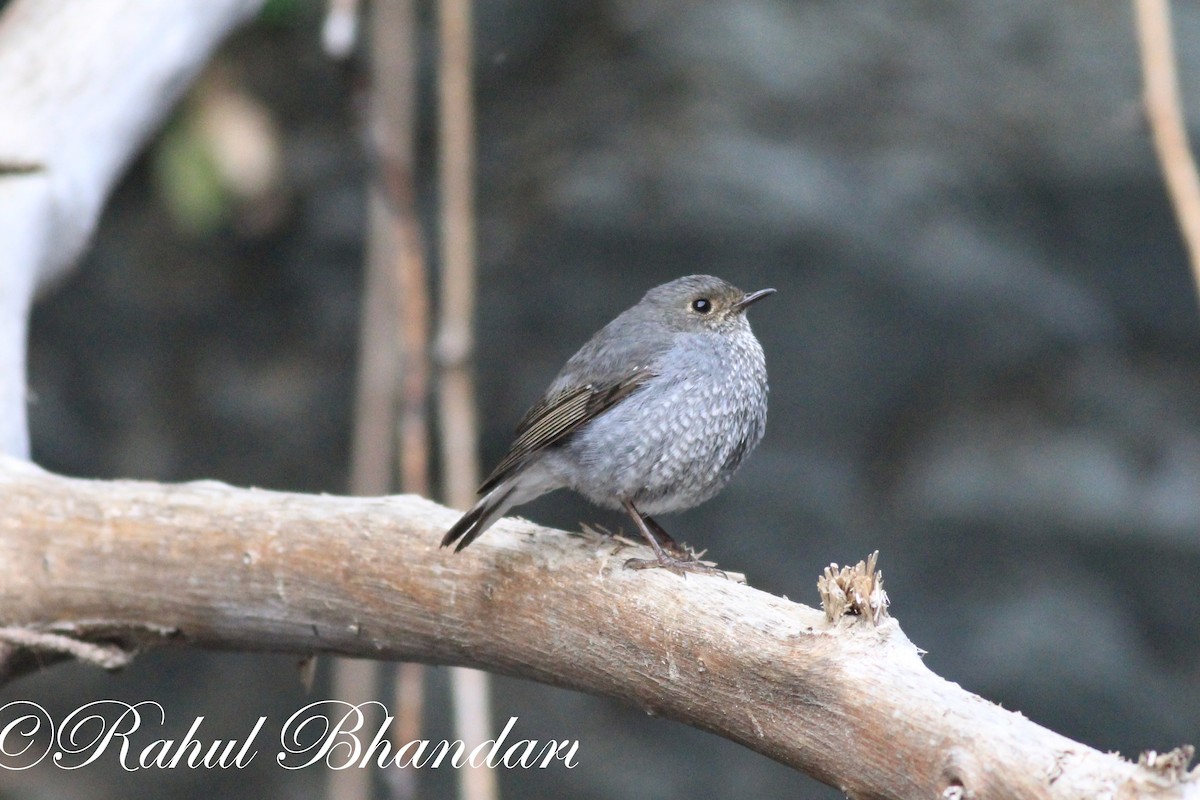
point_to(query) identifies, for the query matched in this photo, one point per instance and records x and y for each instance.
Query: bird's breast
(678, 439)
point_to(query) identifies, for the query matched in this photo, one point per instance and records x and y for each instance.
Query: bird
(653, 415)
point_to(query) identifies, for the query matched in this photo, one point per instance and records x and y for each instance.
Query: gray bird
(653, 415)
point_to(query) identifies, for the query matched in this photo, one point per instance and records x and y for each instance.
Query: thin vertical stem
(372, 446)
(1164, 110)
(455, 340)
(392, 129)
(354, 681)
(456, 173)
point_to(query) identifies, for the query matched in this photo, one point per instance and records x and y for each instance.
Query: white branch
(83, 83)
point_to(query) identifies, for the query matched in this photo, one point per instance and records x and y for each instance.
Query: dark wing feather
(559, 415)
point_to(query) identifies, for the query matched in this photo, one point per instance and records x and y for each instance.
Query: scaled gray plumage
(654, 414)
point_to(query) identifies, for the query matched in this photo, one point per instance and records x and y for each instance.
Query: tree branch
(83, 83)
(1164, 111)
(208, 565)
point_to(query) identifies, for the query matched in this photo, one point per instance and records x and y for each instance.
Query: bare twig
(848, 702)
(456, 175)
(1164, 110)
(455, 340)
(354, 681)
(385, 331)
(101, 655)
(397, 241)
(371, 452)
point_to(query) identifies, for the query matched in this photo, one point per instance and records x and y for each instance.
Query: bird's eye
(701, 305)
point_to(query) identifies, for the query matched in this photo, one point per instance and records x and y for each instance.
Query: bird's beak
(751, 298)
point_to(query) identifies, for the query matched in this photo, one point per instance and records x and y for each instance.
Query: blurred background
(984, 353)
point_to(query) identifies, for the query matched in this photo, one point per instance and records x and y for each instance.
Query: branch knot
(854, 591)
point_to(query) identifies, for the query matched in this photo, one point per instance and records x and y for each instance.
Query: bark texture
(207, 565)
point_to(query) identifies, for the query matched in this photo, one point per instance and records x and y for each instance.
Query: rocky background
(983, 353)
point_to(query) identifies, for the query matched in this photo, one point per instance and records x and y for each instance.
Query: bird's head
(702, 303)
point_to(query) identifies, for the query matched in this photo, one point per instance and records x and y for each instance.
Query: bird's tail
(487, 510)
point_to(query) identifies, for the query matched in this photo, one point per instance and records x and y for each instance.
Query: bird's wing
(560, 414)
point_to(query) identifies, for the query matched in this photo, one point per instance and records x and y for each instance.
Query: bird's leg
(679, 566)
(662, 536)
(669, 543)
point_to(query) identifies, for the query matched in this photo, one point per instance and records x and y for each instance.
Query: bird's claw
(680, 567)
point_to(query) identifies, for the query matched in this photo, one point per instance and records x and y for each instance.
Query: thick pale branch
(83, 83)
(207, 565)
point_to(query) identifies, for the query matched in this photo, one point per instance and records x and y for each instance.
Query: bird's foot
(679, 566)
(681, 552)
